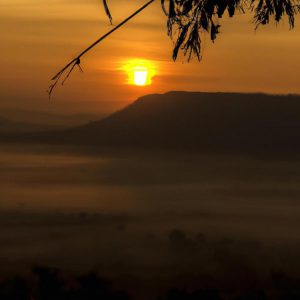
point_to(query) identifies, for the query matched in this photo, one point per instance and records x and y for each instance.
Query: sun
(140, 76)
(139, 71)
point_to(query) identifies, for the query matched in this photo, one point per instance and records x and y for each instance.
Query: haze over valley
(111, 196)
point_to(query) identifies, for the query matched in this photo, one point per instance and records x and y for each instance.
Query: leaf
(222, 5)
(204, 21)
(214, 30)
(187, 6)
(164, 7)
(107, 11)
(180, 41)
(172, 12)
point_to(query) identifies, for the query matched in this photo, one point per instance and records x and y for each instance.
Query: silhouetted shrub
(182, 294)
(49, 285)
(14, 289)
(253, 295)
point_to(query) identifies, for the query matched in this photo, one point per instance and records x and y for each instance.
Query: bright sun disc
(140, 72)
(140, 75)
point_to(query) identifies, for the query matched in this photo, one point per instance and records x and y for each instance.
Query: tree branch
(68, 68)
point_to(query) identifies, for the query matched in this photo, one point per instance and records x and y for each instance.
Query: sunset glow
(139, 72)
(149, 150)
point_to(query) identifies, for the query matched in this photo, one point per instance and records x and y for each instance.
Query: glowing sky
(40, 36)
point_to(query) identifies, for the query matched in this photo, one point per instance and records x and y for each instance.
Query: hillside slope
(207, 122)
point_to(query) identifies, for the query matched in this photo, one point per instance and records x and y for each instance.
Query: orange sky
(40, 36)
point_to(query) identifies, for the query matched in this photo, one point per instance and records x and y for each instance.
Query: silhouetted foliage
(49, 285)
(14, 289)
(202, 294)
(188, 19)
(253, 295)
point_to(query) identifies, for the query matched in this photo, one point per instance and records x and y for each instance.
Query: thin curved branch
(68, 68)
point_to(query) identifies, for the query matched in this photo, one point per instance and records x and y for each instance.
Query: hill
(10, 126)
(49, 119)
(207, 122)
(203, 121)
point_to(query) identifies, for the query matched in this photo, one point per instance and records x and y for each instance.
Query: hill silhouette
(12, 126)
(56, 120)
(206, 122)
(8, 126)
(201, 121)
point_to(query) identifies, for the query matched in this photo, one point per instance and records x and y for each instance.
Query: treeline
(51, 284)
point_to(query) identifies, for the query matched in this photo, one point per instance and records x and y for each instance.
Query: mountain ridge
(207, 122)
(194, 120)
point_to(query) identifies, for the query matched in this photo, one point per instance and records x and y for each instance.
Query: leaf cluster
(189, 19)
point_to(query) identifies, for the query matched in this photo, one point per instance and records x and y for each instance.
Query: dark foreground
(147, 225)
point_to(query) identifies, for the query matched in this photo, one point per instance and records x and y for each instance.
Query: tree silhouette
(188, 20)
(191, 18)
